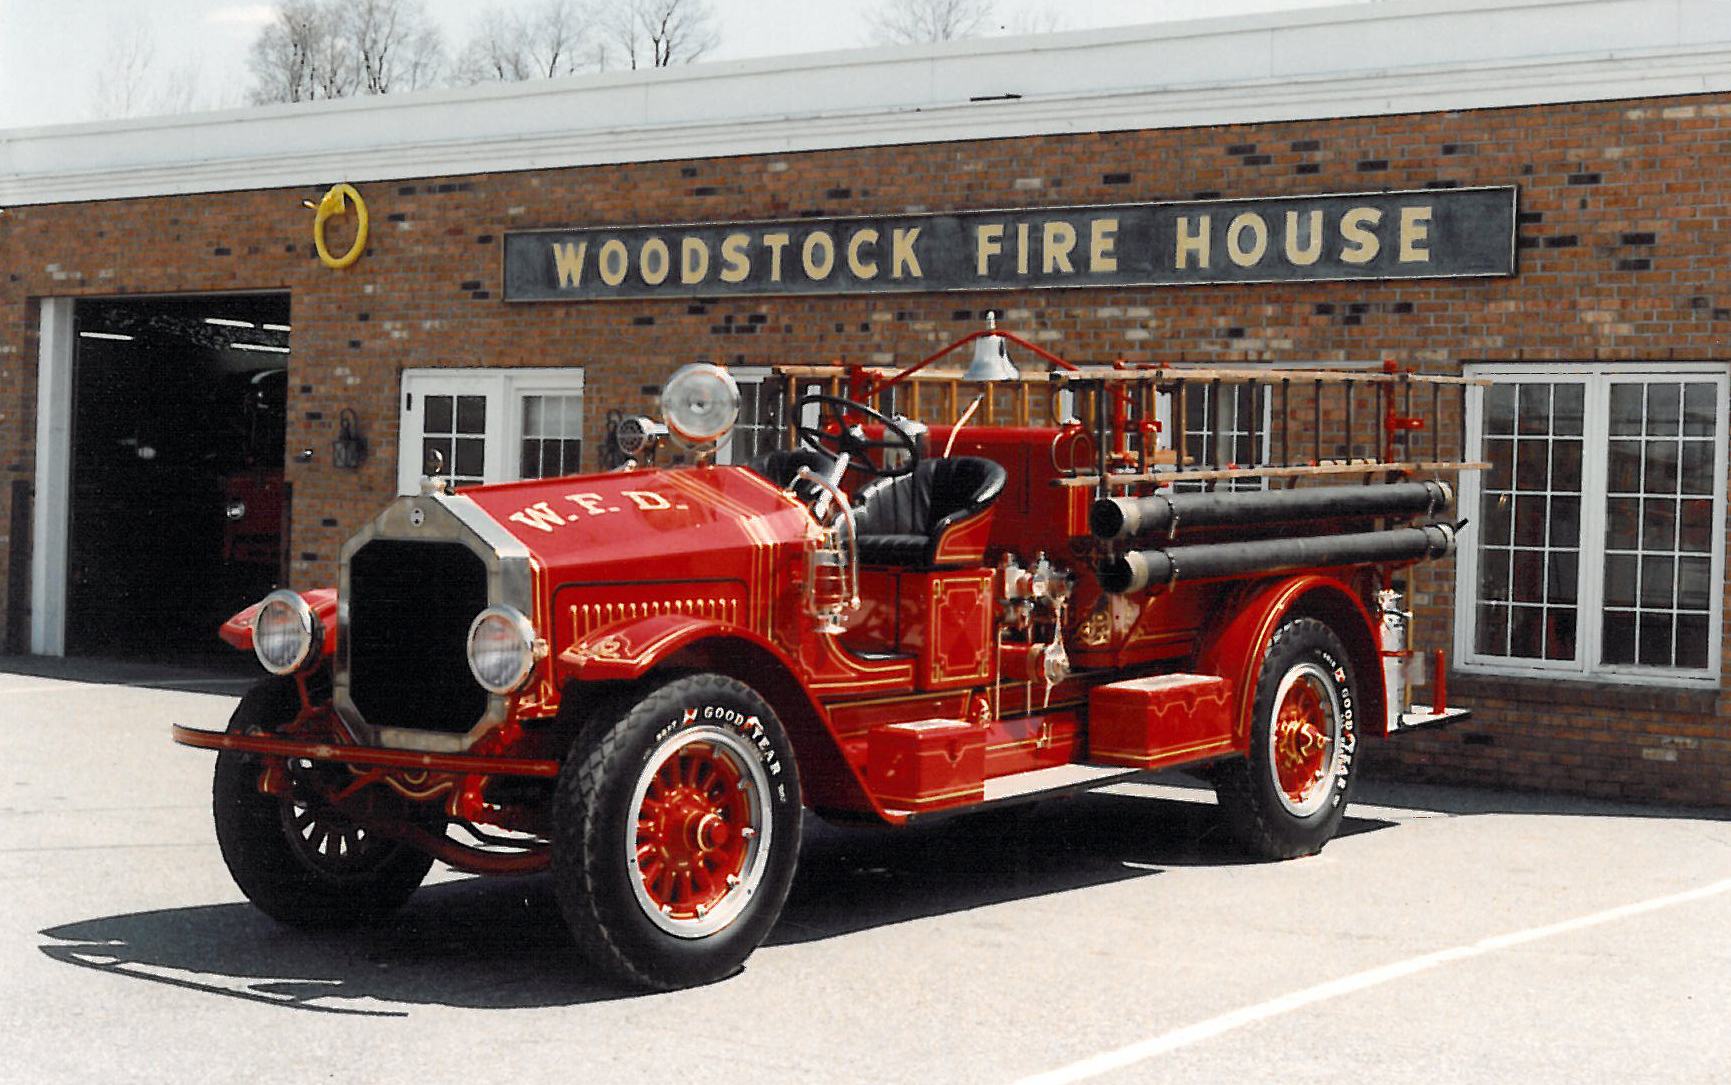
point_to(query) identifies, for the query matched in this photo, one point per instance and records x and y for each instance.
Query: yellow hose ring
(335, 203)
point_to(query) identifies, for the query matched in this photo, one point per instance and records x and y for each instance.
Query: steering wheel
(834, 435)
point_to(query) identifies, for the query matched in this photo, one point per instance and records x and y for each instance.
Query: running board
(1035, 784)
(1420, 716)
(1058, 778)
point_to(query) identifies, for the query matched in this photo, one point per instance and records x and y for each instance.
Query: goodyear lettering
(751, 727)
(1348, 748)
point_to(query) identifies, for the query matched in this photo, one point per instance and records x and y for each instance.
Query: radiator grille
(410, 605)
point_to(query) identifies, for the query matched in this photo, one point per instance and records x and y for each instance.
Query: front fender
(1233, 648)
(630, 649)
(237, 631)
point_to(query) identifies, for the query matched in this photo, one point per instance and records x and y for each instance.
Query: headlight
(700, 404)
(285, 633)
(501, 649)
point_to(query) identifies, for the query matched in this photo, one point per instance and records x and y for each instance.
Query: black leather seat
(902, 521)
(781, 465)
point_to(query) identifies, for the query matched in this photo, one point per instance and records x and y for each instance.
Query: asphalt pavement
(1446, 936)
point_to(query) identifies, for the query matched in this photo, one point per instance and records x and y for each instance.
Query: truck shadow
(854, 879)
(499, 943)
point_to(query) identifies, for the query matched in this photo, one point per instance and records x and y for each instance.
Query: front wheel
(676, 833)
(1287, 797)
(301, 862)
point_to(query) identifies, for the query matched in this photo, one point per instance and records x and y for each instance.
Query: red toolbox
(927, 764)
(1150, 722)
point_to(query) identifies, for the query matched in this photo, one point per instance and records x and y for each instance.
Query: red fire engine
(642, 679)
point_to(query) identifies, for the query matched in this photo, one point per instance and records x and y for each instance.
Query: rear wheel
(1287, 797)
(677, 832)
(301, 862)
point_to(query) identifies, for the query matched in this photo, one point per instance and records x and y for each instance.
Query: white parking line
(1155, 1046)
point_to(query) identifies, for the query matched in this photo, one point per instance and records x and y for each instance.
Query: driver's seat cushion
(781, 465)
(937, 515)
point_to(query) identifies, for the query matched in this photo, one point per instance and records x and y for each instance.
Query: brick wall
(1625, 217)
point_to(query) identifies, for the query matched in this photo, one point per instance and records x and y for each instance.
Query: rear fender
(237, 631)
(1233, 648)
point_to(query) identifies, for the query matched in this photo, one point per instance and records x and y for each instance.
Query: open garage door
(177, 509)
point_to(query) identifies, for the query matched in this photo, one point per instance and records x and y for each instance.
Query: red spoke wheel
(300, 862)
(1288, 795)
(1304, 737)
(703, 831)
(676, 833)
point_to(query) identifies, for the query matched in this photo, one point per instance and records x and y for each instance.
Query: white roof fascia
(1357, 60)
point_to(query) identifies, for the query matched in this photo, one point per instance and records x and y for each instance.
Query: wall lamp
(349, 450)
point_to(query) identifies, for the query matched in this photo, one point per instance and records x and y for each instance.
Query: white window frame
(504, 389)
(1597, 379)
(1269, 390)
(755, 376)
(1170, 438)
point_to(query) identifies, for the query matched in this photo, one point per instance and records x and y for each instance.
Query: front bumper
(373, 756)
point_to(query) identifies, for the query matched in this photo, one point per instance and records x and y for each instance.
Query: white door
(476, 426)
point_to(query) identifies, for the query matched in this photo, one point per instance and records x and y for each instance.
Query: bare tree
(561, 38)
(132, 83)
(299, 56)
(656, 33)
(126, 65)
(554, 38)
(496, 51)
(394, 45)
(334, 48)
(904, 22)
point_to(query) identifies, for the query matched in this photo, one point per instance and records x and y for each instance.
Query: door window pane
(480, 426)
(552, 439)
(454, 438)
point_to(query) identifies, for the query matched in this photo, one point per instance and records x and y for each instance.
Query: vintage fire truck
(946, 590)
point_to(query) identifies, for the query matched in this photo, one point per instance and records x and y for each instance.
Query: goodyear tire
(1286, 798)
(302, 864)
(676, 833)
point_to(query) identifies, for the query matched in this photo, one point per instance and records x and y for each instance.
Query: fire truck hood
(637, 520)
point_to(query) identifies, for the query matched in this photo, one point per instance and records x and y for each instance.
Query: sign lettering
(1440, 233)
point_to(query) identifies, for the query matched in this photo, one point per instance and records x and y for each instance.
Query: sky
(53, 52)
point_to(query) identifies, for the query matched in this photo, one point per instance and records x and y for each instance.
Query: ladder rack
(1269, 424)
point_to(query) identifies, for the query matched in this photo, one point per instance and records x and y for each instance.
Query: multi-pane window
(552, 436)
(759, 427)
(454, 438)
(1596, 544)
(474, 426)
(1661, 482)
(1226, 425)
(1529, 521)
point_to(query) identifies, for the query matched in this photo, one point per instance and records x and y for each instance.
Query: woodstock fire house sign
(1434, 233)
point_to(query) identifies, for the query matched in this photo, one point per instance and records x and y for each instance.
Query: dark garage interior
(178, 506)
